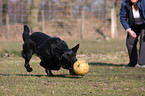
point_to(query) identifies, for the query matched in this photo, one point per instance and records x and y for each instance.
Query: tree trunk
(33, 13)
(4, 11)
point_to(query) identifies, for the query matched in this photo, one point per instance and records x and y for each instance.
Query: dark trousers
(132, 45)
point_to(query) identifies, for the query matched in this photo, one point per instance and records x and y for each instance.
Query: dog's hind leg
(27, 54)
(27, 60)
(47, 70)
(49, 73)
(28, 51)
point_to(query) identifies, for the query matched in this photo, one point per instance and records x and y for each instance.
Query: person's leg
(132, 50)
(142, 48)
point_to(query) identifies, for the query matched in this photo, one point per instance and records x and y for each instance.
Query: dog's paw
(29, 70)
(51, 75)
(72, 72)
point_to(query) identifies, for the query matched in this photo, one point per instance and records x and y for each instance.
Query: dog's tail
(26, 32)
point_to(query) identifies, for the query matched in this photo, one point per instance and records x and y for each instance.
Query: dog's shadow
(105, 64)
(35, 75)
(64, 75)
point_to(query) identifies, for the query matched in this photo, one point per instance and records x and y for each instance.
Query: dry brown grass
(65, 29)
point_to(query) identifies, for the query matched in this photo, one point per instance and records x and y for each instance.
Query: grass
(96, 47)
(107, 76)
(10, 48)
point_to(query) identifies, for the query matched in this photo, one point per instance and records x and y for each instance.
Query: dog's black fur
(53, 52)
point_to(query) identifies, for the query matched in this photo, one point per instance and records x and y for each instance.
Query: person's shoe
(141, 66)
(129, 65)
(137, 65)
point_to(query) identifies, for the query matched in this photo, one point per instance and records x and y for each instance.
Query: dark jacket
(126, 16)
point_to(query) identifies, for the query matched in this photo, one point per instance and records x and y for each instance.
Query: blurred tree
(27, 10)
(67, 6)
(117, 6)
(4, 11)
(33, 12)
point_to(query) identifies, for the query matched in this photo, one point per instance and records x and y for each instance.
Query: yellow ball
(81, 67)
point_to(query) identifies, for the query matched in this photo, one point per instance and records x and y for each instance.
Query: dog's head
(67, 58)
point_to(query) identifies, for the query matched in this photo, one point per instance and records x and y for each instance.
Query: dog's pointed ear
(75, 48)
(58, 52)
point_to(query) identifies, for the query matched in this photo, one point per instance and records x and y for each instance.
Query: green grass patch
(106, 77)
(95, 47)
(102, 80)
(10, 49)
(13, 48)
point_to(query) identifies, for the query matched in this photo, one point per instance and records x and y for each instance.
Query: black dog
(53, 52)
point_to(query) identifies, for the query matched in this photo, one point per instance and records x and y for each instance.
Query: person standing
(132, 17)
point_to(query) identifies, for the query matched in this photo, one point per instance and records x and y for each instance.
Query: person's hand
(132, 33)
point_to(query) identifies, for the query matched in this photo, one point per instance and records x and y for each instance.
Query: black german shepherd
(53, 52)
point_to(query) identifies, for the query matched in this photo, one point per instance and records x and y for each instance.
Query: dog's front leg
(71, 71)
